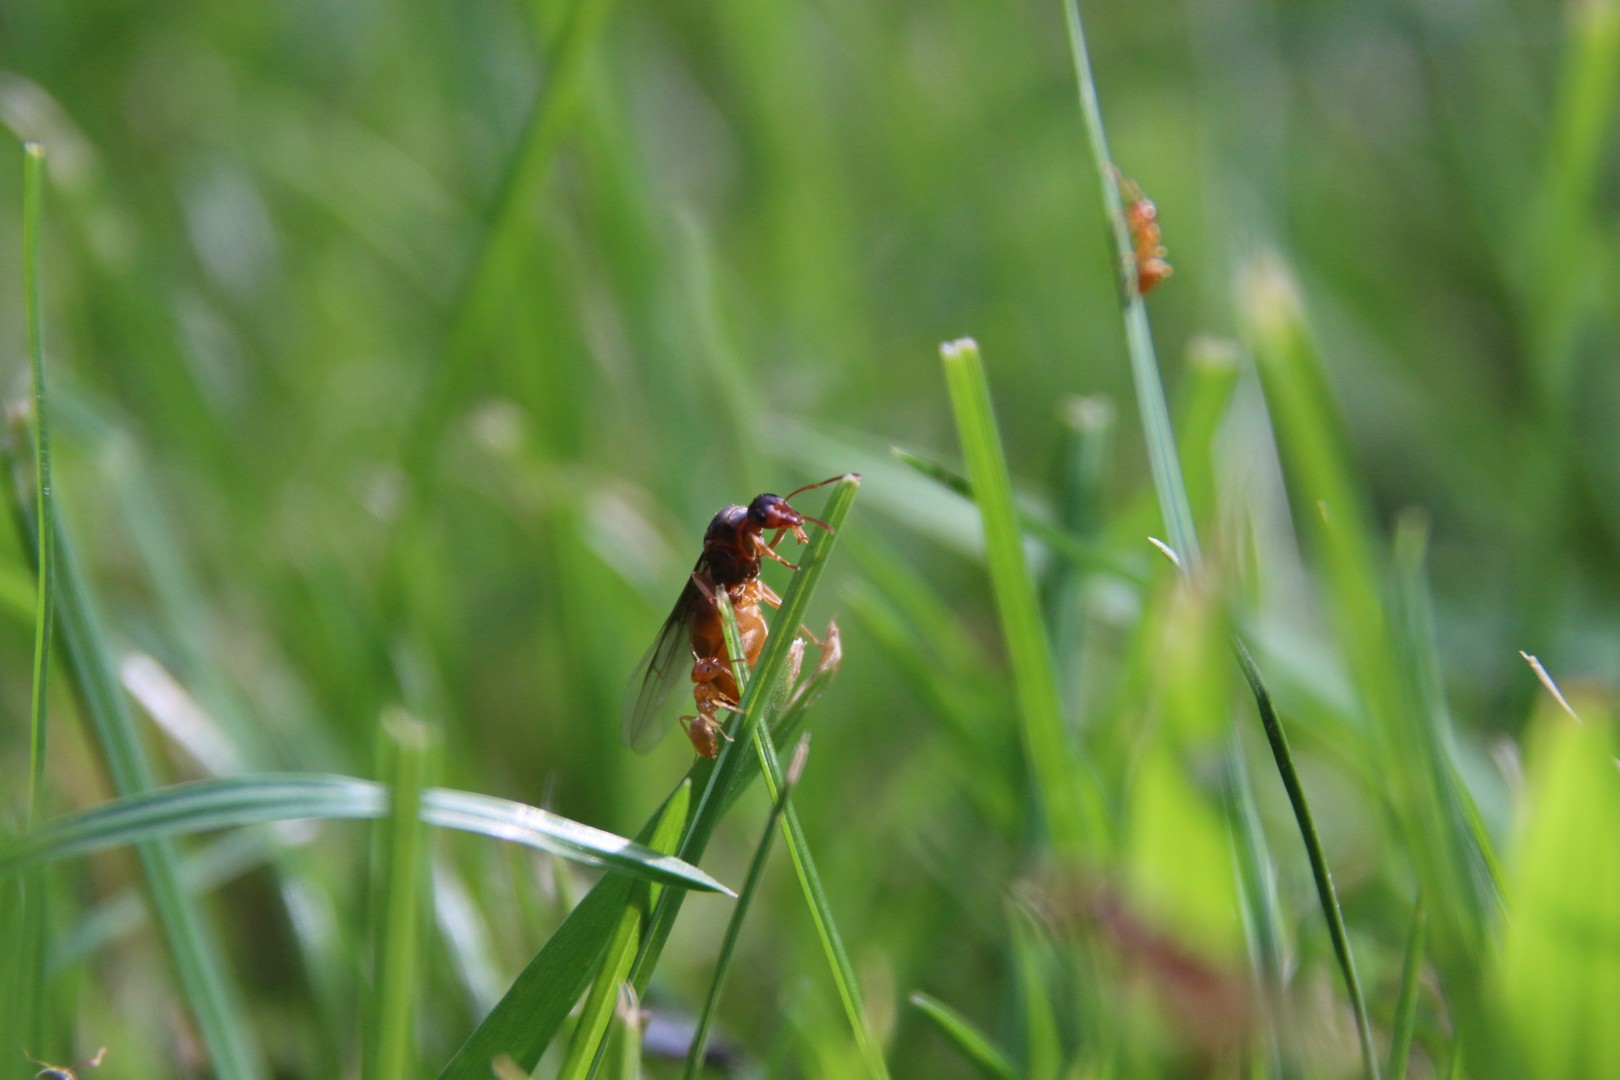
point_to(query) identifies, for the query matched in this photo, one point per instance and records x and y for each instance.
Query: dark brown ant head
(706, 669)
(767, 513)
(770, 513)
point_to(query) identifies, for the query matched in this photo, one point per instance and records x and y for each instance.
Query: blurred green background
(403, 351)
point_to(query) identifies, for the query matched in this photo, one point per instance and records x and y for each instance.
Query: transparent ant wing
(666, 664)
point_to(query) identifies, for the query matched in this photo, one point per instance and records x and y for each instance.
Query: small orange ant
(1142, 219)
(58, 1072)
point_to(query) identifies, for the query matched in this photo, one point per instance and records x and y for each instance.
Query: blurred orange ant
(1142, 219)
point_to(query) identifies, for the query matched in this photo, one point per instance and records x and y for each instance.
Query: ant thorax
(730, 547)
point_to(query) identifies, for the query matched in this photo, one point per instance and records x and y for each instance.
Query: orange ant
(734, 547)
(1142, 220)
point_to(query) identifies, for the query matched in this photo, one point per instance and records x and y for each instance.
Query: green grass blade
(528, 1015)
(973, 1043)
(1327, 896)
(1161, 442)
(832, 944)
(45, 510)
(1556, 971)
(26, 935)
(1435, 737)
(503, 819)
(1312, 447)
(409, 751)
(1400, 1040)
(1262, 922)
(745, 897)
(1072, 826)
(589, 1043)
(1033, 960)
(251, 800)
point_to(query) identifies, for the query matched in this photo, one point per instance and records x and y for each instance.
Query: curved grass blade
(972, 1042)
(253, 800)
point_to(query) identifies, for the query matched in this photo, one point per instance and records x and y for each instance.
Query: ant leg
(768, 594)
(769, 551)
(704, 586)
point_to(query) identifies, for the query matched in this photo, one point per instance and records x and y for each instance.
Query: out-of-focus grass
(399, 356)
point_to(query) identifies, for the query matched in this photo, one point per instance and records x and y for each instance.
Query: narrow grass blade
(1435, 735)
(45, 507)
(1312, 447)
(251, 800)
(1327, 896)
(198, 963)
(1074, 827)
(588, 1045)
(1161, 442)
(1212, 377)
(409, 750)
(711, 1006)
(973, 1043)
(1262, 923)
(625, 1064)
(1400, 1040)
(25, 1012)
(1032, 957)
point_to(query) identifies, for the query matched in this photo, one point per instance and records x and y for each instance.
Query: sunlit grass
(392, 363)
